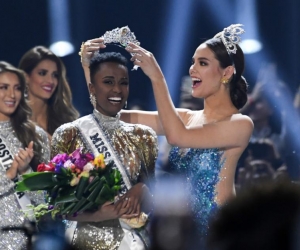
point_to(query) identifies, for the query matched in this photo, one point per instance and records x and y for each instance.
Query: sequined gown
(131, 142)
(10, 211)
(201, 169)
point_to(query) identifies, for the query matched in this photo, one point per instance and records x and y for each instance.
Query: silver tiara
(230, 37)
(121, 36)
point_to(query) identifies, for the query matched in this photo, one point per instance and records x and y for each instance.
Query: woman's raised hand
(21, 161)
(88, 48)
(24, 157)
(146, 61)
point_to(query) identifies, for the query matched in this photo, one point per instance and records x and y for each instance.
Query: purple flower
(58, 166)
(89, 156)
(60, 158)
(80, 160)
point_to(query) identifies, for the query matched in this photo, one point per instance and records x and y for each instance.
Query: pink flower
(91, 178)
(88, 167)
(68, 164)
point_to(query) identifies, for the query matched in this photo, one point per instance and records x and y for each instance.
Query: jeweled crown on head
(121, 36)
(230, 37)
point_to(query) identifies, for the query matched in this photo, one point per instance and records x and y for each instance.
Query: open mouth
(115, 100)
(196, 82)
(47, 88)
(10, 103)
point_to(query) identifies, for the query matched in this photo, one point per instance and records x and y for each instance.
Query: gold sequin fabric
(136, 147)
(10, 212)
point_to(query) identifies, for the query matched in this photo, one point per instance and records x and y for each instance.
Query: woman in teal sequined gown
(207, 143)
(200, 169)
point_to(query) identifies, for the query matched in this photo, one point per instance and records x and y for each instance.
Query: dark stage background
(26, 23)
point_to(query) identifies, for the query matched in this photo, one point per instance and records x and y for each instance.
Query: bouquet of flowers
(73, 183)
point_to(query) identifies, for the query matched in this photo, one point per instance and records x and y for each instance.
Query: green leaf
(105, 194)
(38, 181)
(65, 171)
(87, 206)
(53, 194)
(116, 188)
(78, 205)
(117, 176)
(83, 183)
(91, 185)
(67, 208)
(69, 197)
(92, 197)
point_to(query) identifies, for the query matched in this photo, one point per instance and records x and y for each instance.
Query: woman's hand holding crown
(88, 49)
(146, 61)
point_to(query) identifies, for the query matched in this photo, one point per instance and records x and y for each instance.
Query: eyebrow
(203, 58)
(112, 77)
(200, 58)
(8, 84)
(47, 69)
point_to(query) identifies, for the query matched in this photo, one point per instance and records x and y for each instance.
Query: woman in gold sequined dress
(133, 148)
(22, 147)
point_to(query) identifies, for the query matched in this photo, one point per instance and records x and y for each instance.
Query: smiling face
(43, 80)
(205, 72)
(10, 94)
(110, 85)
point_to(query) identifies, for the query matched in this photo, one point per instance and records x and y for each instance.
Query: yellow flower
(75, 180)
(84, 174)
(99, 161)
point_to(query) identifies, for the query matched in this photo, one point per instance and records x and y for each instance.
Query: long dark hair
(238, 86)
(23, 127)
(60, 107)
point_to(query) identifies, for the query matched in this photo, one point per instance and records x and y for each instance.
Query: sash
(6, 159)
(98, 142)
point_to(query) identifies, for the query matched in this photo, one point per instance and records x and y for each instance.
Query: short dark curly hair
(100, 58)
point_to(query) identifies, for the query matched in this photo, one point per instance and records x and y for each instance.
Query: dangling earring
(26, 91)
(125, 105)
(93, 100)
(224, 80)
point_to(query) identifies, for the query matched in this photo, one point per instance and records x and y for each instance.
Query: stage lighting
(62, 48)
(250, 46)
(59, 30)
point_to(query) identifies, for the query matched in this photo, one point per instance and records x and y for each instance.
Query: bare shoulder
(242, 126)
(242, 120)
(188, 115)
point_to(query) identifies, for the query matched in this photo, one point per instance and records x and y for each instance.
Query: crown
(121, 36)
(230, 37)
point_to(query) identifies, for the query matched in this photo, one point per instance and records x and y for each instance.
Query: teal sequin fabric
(201, 171)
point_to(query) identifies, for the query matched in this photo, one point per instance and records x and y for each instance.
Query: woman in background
(47, 89)
(22, 147)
